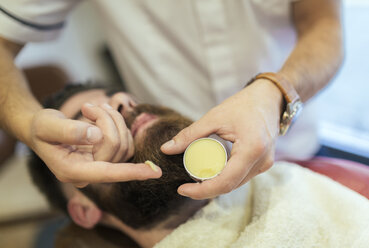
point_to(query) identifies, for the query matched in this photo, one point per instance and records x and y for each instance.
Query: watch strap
(284, 86)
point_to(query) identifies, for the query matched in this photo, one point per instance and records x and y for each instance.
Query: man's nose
(123, 103)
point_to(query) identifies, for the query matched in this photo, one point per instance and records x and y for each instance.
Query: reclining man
(288, 206)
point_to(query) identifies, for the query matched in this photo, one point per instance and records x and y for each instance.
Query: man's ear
(83, 211)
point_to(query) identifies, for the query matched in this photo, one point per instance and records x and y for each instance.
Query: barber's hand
(250, 120)
(54, 139)
(117, 142)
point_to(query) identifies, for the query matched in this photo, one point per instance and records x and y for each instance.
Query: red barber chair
(351, 174)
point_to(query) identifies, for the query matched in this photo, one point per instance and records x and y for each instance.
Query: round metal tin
(199, 179)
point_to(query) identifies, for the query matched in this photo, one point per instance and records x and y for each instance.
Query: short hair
(139, 204)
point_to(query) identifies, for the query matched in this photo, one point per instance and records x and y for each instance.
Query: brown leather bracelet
(293, 104)
(284, 86)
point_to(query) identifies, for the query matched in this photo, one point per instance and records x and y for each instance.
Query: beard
(169, 123)
(143, 204)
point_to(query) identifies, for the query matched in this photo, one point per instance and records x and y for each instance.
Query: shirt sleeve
(33, 20)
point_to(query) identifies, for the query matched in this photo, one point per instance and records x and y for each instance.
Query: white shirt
(187, 54)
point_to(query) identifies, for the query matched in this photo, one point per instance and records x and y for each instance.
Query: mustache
(150, 109)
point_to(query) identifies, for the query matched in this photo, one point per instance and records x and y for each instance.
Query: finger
(80, 185)
(108, 147)
(105, 172)
(126, 142)
(260, 167)
(52, 126)
(199, 129)
(131, 147)
(69, 166)
(252, 173)
(238, 166)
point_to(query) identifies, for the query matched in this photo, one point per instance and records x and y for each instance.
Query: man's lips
(141, 122)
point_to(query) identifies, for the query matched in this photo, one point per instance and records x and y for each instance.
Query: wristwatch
(293, 104)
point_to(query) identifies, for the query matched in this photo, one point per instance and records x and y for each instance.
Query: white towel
(288, 206)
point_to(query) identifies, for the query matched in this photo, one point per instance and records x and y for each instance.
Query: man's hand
(250, 120)
(117, 144)
(54, 139)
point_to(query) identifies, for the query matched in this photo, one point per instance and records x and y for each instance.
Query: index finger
(199, 129)
(105, 172)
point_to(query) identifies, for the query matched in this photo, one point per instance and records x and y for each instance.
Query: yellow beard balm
(205, 158)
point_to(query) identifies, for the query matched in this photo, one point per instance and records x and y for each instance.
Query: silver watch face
(293, 110)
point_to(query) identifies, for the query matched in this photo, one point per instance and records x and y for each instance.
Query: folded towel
(288, 206)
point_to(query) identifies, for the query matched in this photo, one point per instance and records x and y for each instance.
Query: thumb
(54, 127)
(199, 129)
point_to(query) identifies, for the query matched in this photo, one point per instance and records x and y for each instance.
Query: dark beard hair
(144, 204)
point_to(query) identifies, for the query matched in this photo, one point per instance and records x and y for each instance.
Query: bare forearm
(319, 50)
(17, 104)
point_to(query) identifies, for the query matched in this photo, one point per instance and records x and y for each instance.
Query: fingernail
(153, 166)
(183, 194)
(107, 106)
(168, 144)
(89, 105)
(93, 134)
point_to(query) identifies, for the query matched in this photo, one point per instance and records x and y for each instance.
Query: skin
(97, 110)
(249, 119)
(100, 110)
(52, 136)
(117, 144)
